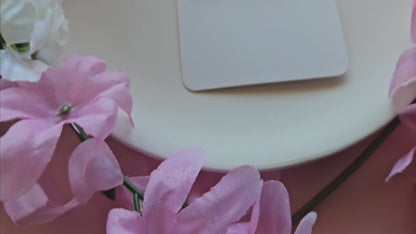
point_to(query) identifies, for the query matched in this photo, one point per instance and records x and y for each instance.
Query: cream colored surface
(266, 126)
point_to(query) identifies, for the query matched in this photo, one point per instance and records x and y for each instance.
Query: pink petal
(17, 103)
(5, 84)
(274, 209)
(25, 151)
(408, 116)
(171, 182)
(401, 164)
(160, 220)
(223, 205)
(247, 227)
(35, 207)
(75, 69)
(122, 221)
(54, 192)
(403, 84)
(406, 55)
(306, 224)
(168, 188)
(88, 65)
(26, 204)
(115, 86)
(239, 228)
(92, 168)
(97, 119)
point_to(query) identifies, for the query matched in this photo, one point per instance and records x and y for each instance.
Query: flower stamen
(65, 110)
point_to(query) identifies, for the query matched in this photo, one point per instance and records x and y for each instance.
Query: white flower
(33, 35)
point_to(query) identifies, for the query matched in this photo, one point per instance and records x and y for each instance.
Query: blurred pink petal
(406, 55)
(93, 167)
(306, 224)
(54, 191)
(408, 116)
(247, 227)
(35, 207)
(25, 151)
(239, 228)
(274, 209)
(5, 84)
(271, 214)
(26, 204)
(16, 103)
(171, 182)
(115, 86)
(223, 205)
(122, 221)
(169, 186)
(403, 84)
(401, 164)
(160, 220)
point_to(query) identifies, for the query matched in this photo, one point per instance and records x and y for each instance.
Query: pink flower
(217, 211)
(271, 214)
(403, 84)
(402, 92)
(91, 96)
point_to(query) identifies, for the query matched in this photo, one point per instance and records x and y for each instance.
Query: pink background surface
(363, 204)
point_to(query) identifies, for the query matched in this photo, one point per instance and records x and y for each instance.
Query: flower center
(65, 110)
(21, 47)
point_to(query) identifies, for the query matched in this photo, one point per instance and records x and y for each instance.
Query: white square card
(227, 43)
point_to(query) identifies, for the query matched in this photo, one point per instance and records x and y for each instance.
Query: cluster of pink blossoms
(80, 91)
(38, 184)
(240, 203)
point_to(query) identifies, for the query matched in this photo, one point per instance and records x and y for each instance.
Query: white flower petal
(17, 20)
(15, 67)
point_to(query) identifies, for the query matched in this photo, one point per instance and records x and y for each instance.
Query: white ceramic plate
(266, 126)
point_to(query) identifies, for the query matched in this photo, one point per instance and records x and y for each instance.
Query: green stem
(80, 132)
(136, 197)
(130, 186)
(354, 166)
(137, 194)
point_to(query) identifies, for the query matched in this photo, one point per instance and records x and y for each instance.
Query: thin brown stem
(341, 178)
